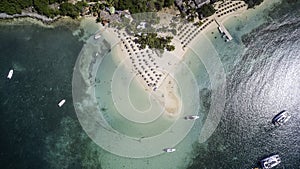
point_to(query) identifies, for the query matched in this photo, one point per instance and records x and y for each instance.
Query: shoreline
(152, 69)
(161, 67)
(67, 22)
(154, 79)
(240, 10)
(51, 21)
(42, 18)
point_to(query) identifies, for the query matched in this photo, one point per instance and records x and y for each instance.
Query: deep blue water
(43, 61)
(263, 81)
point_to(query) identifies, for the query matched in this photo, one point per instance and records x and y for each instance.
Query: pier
(223, 30)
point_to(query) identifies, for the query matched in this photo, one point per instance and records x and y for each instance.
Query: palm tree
(110, 3)
(99, 19)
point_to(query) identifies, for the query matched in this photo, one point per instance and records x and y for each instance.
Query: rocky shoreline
(39, 17)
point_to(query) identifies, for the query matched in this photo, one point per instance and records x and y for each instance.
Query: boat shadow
(270, 127)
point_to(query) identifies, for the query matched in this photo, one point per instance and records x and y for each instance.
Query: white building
(199, 3)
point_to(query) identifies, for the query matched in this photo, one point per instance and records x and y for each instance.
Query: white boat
(221, 30)
(10, 74)
(169, 150)
(270, 161)
(61, 103)
(281, 118)
(97, 36)
(191, 117)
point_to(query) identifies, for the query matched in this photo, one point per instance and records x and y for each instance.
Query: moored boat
(191, 117)
(220, 30)
(270, 161)
(10, 73)
(62, 102)
(97, 36)
(169, 150)
(281, 118)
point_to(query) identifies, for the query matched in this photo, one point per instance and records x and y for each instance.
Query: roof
(112, 10)
(201, 2)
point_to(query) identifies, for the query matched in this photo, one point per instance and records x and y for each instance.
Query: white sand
(152, 71)
(155, 73)
(168, 97)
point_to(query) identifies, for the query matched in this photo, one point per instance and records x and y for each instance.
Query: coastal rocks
(31, 15)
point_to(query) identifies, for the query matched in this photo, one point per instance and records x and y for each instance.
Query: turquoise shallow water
(262, 78)
(118, 141)
(112, 115)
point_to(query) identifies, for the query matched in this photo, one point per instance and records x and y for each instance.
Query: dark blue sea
(43, 60)
(262, 79)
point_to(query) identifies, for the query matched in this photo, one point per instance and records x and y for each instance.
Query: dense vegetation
(138, 6)
(41, 7)
(190, 11)
(68, 9)
(15, 6)
(252, 3)
(134, 6)
(206, 10)
(153, 41)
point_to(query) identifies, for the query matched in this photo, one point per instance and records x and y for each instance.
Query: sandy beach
(154, 70)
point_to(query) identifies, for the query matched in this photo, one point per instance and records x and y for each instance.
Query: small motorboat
(169, 150)
(97, 36)
(281, 118)
(61, 103)
(270, 161)
(10, 74)
(220, 30)
(191, 117)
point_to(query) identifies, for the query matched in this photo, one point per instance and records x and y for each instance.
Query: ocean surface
(262, 78)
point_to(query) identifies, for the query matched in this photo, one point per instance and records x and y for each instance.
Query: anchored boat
(169, 150)
(191, 117)
(281, 118)
(10, 74)
(97, 36)
(62, 102)
(270, 161)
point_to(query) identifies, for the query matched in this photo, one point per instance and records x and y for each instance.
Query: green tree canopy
(69, 9)
(206, 10)
(139, 6)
